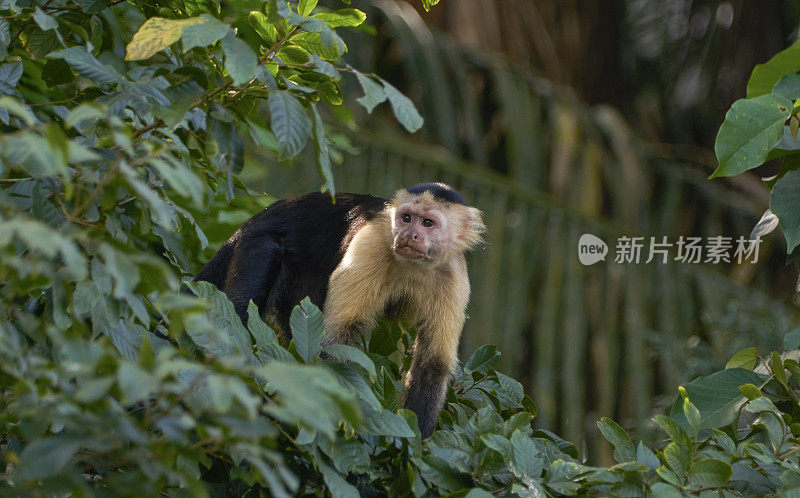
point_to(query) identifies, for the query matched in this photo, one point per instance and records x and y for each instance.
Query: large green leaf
(716, 396)
(304, 7)
(313, 43)
(764, 76)
(203, 33)
(308, 329)
(751, 129)
(482, 359)
(309, 395)
(240, 60)
(784, 202)
(290, 125)
(624, 450)
(86, 65)
(526, 456)
(348, 353)
(338, 487)
(403, 108)
(373, 92)
(263, 27)
(710, 472)
(745, 358)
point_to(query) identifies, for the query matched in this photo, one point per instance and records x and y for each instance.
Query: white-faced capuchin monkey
(363, 257)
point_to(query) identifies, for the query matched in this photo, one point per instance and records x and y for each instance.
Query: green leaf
(46, 22)
(82, 113)
(478, 493)
(289, 123)
(776, 365)
(403, 108)
(675, 431)
(309, 395)
(10, 75)
(750, 391)
(664, 490)
(350, 456)
(308, 329)
(5, 38)
(21, 111)
(765, 76)
(92, 6)
(791, 340)
(751, 129)
(677, 457)
(86, 65)
(304, 7)
(240, 60)
(204, 33)
(499, 444)
(482, 359)
(293, 55)
(265, 29)
(348, 353)
(710, 472)
(785, 203)
(511, 388)
(342, 17)
(717, 397)
(321, 149)
(745, 358)
(526, 458)
(441, 473)
(355, 383)
(373, 92)
(788, 86)
(386, 423)
(619, 439)
(690, 412)
(155, 35)
(260, 331)
(313, 43)
(646, 457)
(56, 72)
(46, 457)
(134, 383)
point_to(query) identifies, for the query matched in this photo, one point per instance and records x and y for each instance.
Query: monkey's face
(419, 231)
(429, 230)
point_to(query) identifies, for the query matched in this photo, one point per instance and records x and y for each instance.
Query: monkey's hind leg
(252, 275)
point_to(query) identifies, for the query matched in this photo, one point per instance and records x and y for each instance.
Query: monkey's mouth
(410, 252)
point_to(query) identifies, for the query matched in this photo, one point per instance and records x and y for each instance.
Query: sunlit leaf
(156, 34)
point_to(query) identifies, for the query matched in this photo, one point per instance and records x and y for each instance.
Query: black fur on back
(440, 191)
(288, 251)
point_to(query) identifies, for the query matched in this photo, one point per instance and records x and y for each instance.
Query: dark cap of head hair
(440, 191)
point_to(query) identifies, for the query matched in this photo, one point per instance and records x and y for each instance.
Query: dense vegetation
(124, 129)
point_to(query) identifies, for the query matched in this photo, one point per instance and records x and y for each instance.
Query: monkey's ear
(472, 228)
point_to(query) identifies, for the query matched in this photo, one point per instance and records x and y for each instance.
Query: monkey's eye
(427, 222)
(406, 218)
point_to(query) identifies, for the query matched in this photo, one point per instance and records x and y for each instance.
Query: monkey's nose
(415, 237)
